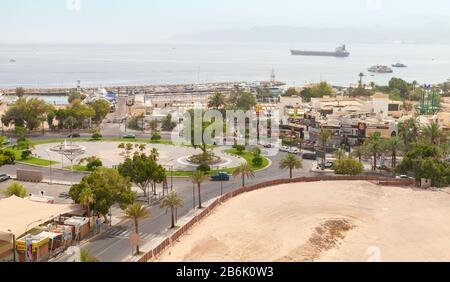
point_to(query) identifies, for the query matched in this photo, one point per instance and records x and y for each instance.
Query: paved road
(113, 246)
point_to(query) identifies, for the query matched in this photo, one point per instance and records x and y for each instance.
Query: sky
(147, 21)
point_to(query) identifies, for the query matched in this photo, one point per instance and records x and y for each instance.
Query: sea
(43, 66)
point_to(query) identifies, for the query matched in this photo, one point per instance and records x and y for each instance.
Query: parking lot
(36, 188)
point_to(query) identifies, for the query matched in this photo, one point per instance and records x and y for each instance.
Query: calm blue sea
(62, 66)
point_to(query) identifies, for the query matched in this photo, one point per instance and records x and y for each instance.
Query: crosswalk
(124, 233)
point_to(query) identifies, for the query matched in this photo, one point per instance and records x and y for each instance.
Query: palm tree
(361, 75)
(409, 131)
(394, 145)
(291, 162)
(197, 178)
(359, 152)
(154, 154)
(245, 171)
(375, 147)
(324, 136)
(172, 201)
(86, 256)
(86, 199)
(217, 101)
(433, 134)
(340, 154)
(153, 125)
(136, 212)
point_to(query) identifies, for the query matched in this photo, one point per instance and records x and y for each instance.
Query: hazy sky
(136, 21)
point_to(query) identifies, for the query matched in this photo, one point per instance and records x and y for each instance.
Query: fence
(385, 181)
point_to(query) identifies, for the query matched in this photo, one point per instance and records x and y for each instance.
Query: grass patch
(30, 160)
(80, 168)
(248, 156)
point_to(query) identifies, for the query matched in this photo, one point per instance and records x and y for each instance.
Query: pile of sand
(324, 221)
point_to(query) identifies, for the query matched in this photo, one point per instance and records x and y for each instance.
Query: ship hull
(320, 54)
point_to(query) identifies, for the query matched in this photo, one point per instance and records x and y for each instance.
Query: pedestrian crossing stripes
(124, 233)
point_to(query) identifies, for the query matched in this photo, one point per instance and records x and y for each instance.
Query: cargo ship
(339, 52)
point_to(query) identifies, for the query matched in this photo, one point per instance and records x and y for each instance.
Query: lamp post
(193, 195)
(51, 176)
(14, 244)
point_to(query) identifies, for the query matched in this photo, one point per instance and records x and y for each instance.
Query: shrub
(256, 151)
(26, 154)
(156, 136)
(94, 164)
(15, 189)
(97, 136)
(348, 167)
(204, 167)
(240, 149)
(257, 161)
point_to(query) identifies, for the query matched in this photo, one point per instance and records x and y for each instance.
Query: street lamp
(50, 159)
(14, 244)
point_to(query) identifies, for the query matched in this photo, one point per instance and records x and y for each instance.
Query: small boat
(381, 69)
(399, 65)
(12, 61)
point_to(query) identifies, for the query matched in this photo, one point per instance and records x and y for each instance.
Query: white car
(285, 149)
(294, 150)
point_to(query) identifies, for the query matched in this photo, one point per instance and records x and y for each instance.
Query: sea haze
(172, 63)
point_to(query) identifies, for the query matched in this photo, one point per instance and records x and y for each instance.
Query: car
(294, 150)
(284, 149)
(129, 136)
(4, 177)
(64, 195)
(327, 165)
(268, 146)
(309, 156)
(220, 176)
(7, 142)
(403, 177)
(74, 135)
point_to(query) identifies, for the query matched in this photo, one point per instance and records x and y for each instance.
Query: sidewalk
(146, 247)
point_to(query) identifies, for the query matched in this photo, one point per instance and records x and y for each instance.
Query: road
(113, 245)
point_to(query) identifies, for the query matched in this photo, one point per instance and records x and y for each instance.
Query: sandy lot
(326, 221)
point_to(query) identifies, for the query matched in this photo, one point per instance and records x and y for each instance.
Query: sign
(134, 239)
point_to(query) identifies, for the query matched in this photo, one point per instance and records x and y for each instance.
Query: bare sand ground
(323, 221)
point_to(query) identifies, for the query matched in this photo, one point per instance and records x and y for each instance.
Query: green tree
(74, 95)
(29, 113)
(217, 101)
(324, 136)
(348, 166)
(197, 178)
(87, 257)
(409, 131)
(172, 201)
(244, 101)
(291, 92)
(374, 146)
(136, 213)
(153, 125)
(398, 84)
(108, 187)
(433, 134)
(359, 152)
(340, 155)
(140, 169)
(424, 160)
(15, 189)
(306, 94)
(394, 145)
(20, 92)
(245, 171)
(87, 199)
(167, 123)
(101, 108)
(322, 89)
(291, 162)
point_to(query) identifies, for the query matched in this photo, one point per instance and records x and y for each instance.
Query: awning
(20, 215)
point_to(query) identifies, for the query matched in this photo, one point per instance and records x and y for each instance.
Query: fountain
(70, 151)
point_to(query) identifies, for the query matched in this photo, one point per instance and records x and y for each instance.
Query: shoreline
(141, 89)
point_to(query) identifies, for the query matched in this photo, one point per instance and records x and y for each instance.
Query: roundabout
(108, 152)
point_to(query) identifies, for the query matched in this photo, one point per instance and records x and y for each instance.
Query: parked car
(327, 165)
(129, 136)
(74, 135)
(309, 156)
(294, 150)
(268, 146)
(64, 195)
(284, 149)
(220, 176)
(4, 177)
(403, 177)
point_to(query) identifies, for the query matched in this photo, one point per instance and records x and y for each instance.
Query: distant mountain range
(433, 33)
